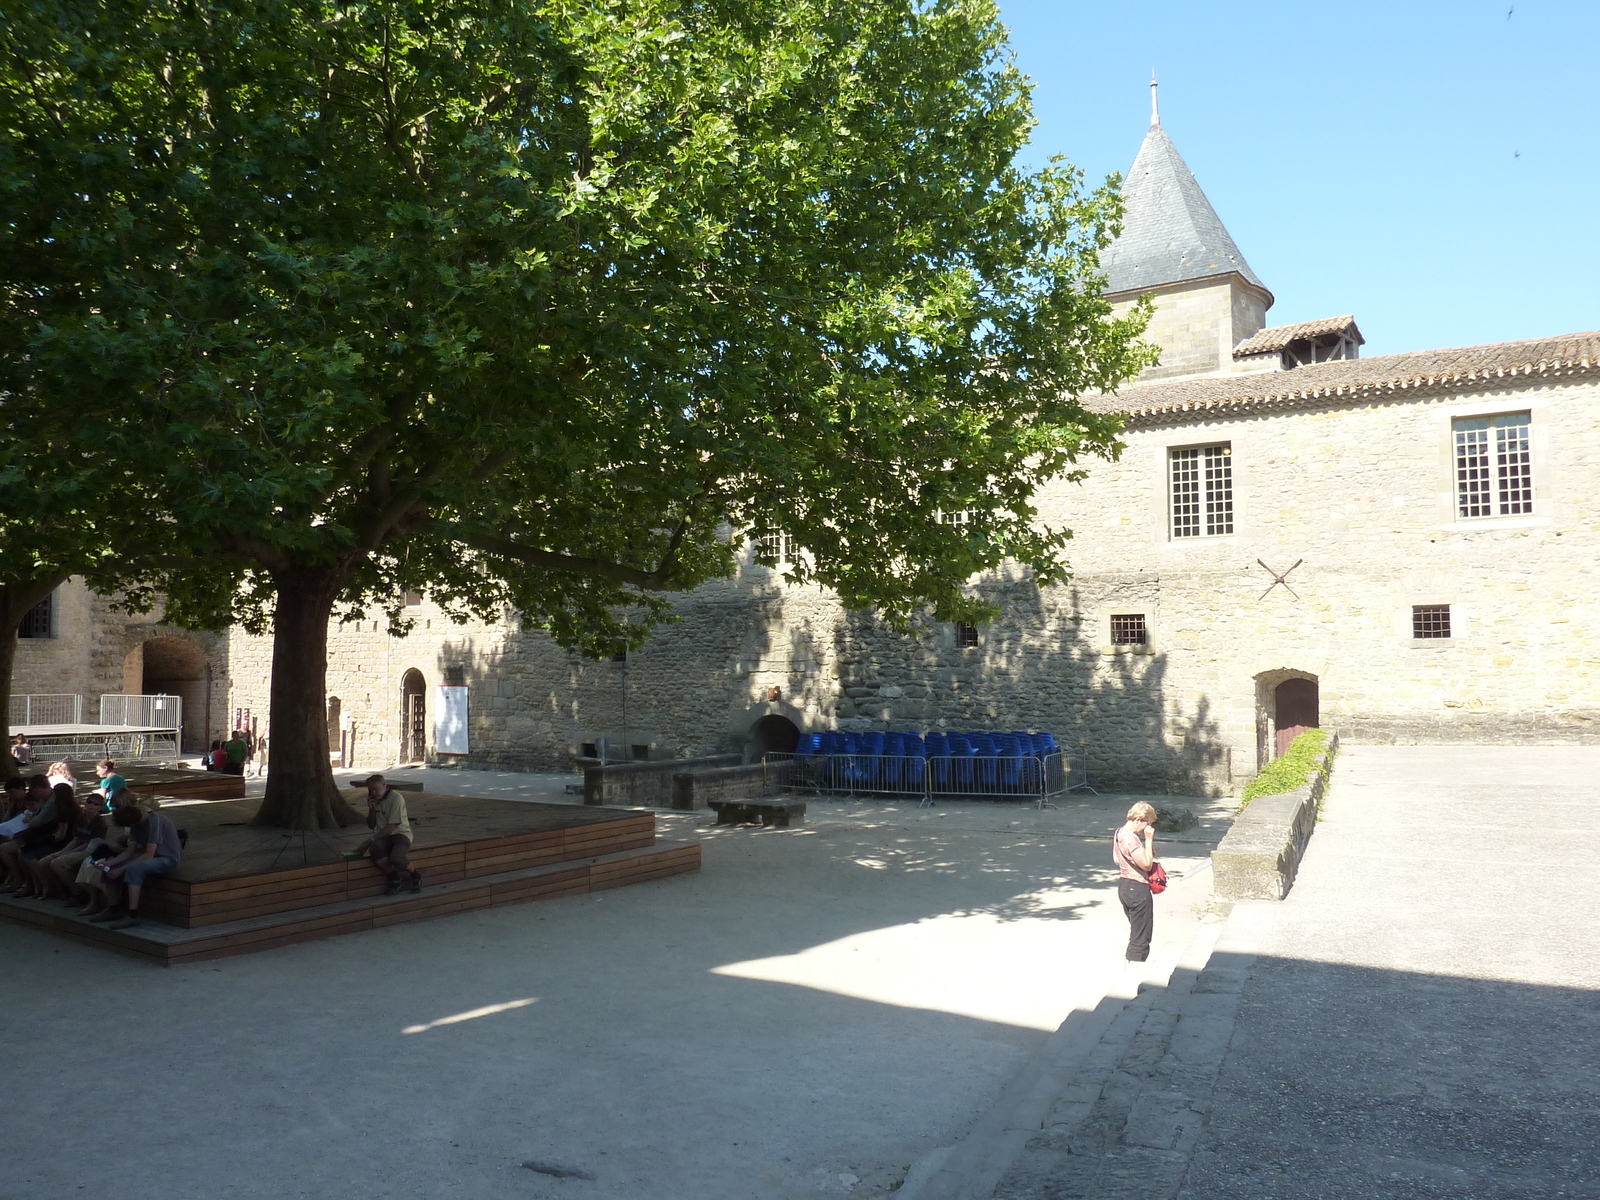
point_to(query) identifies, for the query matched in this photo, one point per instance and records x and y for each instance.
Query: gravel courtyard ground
(809, 1015)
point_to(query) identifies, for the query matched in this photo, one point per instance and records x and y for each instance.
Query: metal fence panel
(142, 712)
(58, 709)
(967, 776)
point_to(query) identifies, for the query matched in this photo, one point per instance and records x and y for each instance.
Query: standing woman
(1134, 851)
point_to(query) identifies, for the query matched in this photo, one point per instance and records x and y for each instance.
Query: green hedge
(1291, 771)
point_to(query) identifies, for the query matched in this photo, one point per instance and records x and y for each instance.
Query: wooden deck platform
(179, 783)
(242, 888)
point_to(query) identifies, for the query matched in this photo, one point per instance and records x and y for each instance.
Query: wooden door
(1296, 703)
(416, 747)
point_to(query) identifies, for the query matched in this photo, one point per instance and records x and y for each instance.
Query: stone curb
(1260, 856)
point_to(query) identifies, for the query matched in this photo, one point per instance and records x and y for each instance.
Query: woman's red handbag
(1157, 879)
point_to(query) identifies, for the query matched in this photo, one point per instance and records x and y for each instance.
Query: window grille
(1202, 491)
(966, 635)
(39, 621)
(774, 546)
(1128, 629)
(1430, 620)
(1494, 466)
(959, 518)
(620, 655)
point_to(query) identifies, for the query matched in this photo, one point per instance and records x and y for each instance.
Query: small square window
(413, 599)
(1430, 620)
(958, 517)
(966, 635)
(1128, 629)
(774, 546)
(620, 655)
(641, 753)
(40, 620)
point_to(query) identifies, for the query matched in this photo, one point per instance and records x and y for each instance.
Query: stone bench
(648, 784)
(696, 789)
(1260, 856)
(777, 812)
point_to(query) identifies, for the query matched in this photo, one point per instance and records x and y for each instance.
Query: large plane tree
(549, 304)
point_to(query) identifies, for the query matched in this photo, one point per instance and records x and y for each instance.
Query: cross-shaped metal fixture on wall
(1280, 578)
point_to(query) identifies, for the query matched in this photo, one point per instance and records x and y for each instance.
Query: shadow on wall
(1037, 667)
(750, 671)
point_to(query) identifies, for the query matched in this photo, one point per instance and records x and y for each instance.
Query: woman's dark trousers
(1140, 906)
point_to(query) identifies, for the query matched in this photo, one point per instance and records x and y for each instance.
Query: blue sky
(1433, 168)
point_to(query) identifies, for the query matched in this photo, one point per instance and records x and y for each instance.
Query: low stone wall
(644, 783)
(696, 789)
(1260, 856)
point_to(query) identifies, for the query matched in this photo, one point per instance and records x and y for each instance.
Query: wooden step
(171, 944)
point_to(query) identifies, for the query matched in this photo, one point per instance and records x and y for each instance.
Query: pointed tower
(1174, 246)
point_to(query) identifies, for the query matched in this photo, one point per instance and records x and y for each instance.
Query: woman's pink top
(1123, 847)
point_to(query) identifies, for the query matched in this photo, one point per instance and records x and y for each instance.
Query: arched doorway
(773, 735)
(1295, 703)
(171, 666)
(413, 717)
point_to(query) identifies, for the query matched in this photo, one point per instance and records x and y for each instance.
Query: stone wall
(97, 651)
(1198, 323)
(1359, 493)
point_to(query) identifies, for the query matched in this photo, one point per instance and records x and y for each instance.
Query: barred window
(1128, 629)
(966, 635)
(1494, 466)
(1430, 620)
(1202, 491)
(40, 620)
(775, 546)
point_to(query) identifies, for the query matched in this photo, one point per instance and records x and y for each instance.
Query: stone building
(1400, 547)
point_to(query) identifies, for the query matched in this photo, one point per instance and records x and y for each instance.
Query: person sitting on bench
(35, 856)
(14, 815)
(38, 823)
(110, 782)
(153, 849)
(390, 845)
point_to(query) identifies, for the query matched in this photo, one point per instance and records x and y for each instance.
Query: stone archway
(1288, 700)
(772, 734)
(170, 665)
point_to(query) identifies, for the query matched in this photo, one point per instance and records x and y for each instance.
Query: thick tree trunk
(300, 788)
(17, 596)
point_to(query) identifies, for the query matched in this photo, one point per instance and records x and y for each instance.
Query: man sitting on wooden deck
(390, 846)
(154, 848)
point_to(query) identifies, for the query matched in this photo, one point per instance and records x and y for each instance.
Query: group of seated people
(56, 844)
(230, 756)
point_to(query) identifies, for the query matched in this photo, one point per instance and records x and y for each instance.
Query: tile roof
(1280, 336)
(1355, 379)
(1170, 233)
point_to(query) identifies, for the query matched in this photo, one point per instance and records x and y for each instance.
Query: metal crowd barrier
(46, 710)
(956, 776)
(157, 712)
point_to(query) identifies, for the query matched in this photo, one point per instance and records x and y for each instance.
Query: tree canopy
(549, 303)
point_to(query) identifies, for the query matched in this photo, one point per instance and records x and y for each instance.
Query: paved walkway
(1420, 1018)
(815, 1011)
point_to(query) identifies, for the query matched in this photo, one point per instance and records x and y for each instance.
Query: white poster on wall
(450, 730)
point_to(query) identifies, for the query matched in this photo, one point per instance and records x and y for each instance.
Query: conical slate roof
(1170, 233)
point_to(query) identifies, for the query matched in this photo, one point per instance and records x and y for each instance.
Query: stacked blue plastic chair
(938, 760)
(892, 770)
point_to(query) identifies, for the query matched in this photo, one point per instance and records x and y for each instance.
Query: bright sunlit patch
(487, 1010)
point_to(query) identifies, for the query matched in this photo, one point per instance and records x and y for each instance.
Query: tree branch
(659, 580)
